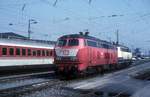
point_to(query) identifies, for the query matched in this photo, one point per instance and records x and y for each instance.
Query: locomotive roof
(122, 46)
(84, 36)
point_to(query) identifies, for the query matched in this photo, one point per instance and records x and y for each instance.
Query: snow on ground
(120, 81)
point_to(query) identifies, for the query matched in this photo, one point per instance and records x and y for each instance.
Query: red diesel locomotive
(77, 53)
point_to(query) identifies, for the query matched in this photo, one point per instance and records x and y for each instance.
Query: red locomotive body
(78, 52)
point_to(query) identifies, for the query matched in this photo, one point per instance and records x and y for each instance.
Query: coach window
(73, 42)
(18, 51)
(43, 52)
(29, 52)
(51, 53)
(23, 52)
(11, 51)
(47, 53)
(4, 51)
(34, 53)
(39, 53)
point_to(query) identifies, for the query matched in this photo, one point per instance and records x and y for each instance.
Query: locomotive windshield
(61, 42)
(68, 42)
(73, 42)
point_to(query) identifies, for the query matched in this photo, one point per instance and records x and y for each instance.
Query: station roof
(11, 35)
(16, 37)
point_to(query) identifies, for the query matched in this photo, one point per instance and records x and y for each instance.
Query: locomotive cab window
(73, 42)
(4, 51)
(125, 49)
(61, 42)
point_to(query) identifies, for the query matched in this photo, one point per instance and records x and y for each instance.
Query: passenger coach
(18, 53)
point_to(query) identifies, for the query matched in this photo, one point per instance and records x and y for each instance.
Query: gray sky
(101, 17)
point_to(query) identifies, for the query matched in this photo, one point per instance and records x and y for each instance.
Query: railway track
(25, 76)
(20, 90)
(30, 83)
(113, 83)
(15, 85)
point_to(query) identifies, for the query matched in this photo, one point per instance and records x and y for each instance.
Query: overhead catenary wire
(90, 1)
(56, 1)
(95, 20)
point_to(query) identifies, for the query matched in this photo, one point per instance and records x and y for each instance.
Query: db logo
(65, 52)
